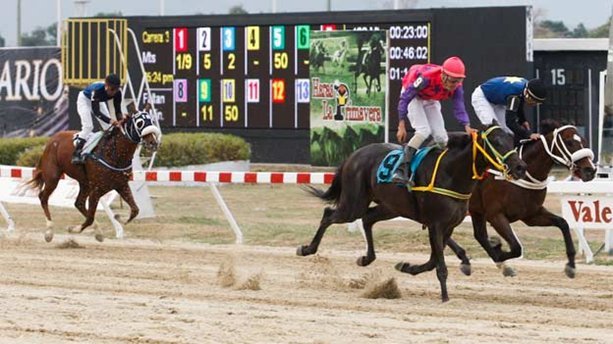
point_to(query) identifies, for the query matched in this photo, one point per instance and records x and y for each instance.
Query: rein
(100, 159)
(498, 164)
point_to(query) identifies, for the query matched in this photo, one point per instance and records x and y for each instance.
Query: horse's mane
(458, 140)
(549, 125)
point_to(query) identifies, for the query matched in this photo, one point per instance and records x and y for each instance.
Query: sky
(42, 13)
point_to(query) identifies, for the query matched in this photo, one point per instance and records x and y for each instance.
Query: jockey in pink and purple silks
(422, 89)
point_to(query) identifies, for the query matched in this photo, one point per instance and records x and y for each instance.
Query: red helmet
(454, 67)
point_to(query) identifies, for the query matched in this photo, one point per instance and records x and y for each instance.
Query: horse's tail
(37, 180)
(333, 194)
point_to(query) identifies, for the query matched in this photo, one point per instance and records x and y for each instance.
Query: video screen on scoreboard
(253, 76)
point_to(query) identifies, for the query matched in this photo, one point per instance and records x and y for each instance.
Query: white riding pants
(426, 118)
(487, 112)
(84, 108)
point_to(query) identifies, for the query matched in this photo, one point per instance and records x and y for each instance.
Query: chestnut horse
(107, 168)
(440, 206)
(503, 202)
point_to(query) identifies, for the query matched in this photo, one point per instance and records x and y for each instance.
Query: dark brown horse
(355, 187)
(107, 168)
(501, 202)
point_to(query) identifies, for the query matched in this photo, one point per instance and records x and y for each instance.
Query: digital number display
(253, 76)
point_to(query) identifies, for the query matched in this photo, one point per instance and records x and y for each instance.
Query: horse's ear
(147, 107)
(548, 126)
(131, 108)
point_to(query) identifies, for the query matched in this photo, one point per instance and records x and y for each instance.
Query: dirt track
(142, 291)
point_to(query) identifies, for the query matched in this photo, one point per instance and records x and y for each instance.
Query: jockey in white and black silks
(92, 101)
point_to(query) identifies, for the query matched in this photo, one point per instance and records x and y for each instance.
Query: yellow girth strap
(431, 188)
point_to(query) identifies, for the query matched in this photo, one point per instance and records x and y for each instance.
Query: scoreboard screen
(253, 76)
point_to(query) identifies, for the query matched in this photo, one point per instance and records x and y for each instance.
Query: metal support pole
(18, 23)
(222, 204)
(9, 220)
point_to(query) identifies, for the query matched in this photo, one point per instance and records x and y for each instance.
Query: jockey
(503, 99)
(422, 88)
(88, 103)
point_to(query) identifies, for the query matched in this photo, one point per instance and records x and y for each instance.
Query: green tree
(556, 27)
(108, 14)
(40, 37)
(1, 41)
(579, 32)
(601, 31)
(237, 9)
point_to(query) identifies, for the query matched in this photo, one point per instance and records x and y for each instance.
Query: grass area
(283, 215)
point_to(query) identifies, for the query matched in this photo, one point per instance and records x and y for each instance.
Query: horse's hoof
(508, 271)
(117, 217)
(364, 261)
(402, 266)
(466, 269)
(48, 236)
(300, 251)
(445, 299)
(570, 271)
(99, 237)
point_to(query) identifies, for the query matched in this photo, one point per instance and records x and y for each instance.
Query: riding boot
(77, 159)
(401, 176)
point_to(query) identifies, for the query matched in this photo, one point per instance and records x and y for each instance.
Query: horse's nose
(588, 173)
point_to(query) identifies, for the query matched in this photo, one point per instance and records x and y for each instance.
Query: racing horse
(317, 56)
(339, 57)
(523, 199)
(369, 65)
(107, 168)
(449, 175)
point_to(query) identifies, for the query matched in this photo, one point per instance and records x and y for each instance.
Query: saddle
(91, 142)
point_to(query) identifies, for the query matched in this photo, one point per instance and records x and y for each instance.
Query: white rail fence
(584, 205)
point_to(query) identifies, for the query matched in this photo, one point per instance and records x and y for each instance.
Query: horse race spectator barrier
(13, 190)
(584, 205)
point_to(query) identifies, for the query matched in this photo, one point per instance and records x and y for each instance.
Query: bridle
(563, 157)
(130, 131)
(498, 161)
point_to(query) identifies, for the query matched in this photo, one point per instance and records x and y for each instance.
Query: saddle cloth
(392, 161)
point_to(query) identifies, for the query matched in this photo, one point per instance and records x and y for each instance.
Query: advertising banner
(348, 73)
(33, 100)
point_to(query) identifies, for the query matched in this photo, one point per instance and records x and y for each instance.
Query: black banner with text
(33, 99)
